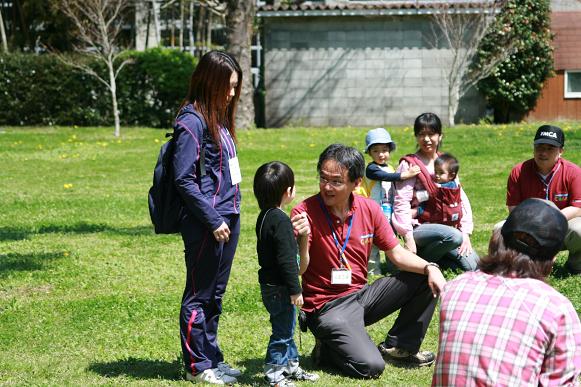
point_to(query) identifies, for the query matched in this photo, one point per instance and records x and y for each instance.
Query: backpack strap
(202, 157)
(424, 176)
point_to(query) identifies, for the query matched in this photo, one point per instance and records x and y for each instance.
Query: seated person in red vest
(338, 302)
(444, 235)
(503, 325)
(548, 176)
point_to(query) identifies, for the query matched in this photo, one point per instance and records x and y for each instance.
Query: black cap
(549, 134)
(542, 221)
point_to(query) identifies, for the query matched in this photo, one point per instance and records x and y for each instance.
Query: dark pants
(208, 265)
(340, 324)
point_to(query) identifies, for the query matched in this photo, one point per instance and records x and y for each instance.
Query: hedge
(41, 90)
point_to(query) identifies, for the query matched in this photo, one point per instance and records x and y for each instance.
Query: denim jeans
(439, 243)
(282, 356)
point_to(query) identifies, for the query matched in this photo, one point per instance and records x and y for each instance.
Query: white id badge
(235, 174)
(340, 276)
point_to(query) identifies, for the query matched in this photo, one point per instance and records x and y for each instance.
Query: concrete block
(412, 63)
(413, 92)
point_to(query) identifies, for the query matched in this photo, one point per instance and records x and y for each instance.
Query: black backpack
(165, 204)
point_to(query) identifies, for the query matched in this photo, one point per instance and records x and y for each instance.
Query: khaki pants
(573, 244)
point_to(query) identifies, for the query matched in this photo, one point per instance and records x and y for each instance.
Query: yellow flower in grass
(67, 186)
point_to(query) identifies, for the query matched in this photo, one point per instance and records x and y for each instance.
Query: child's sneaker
(228, 370)
(211, 376)
(302, 376)
(283, 383)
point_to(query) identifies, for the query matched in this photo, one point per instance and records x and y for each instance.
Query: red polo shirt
(562, 186)
(369, 226)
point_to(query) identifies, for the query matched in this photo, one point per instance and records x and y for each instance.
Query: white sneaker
(228, 370)
(211, 376)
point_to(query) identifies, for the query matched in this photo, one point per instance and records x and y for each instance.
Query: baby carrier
(444, 205)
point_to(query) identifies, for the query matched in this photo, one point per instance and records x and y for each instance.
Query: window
(573, 84)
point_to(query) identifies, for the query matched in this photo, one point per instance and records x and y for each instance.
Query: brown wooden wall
(552, 104)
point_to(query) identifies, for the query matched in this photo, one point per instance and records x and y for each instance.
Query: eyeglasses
(332, 183)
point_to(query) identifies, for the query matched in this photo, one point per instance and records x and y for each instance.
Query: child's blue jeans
(282, 356)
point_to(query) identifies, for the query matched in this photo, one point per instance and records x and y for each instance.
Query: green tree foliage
(513, 88)
(41, 90)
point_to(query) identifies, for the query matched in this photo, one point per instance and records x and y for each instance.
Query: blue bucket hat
(378, 136)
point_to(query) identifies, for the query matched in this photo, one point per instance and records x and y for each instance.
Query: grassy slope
(89, 295)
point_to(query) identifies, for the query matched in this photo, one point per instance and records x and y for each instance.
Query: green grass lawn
(90, 295)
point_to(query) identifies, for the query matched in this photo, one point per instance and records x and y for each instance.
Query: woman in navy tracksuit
(207, 177)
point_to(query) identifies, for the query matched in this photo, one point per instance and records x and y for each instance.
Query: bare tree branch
(98, 24)
(460, 30)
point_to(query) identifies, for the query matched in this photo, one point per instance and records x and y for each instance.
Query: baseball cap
(549, 134)
(378, 136)
(542, 221)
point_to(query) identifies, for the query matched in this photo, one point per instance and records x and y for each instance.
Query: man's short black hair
(271, 180)
(348, 157)
(450, 161)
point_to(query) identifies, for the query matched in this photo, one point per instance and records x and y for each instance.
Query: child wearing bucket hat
(377, 184)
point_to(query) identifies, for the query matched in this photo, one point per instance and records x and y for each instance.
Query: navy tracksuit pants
(208, 265)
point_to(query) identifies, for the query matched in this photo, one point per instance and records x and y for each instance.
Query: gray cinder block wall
(359, 71)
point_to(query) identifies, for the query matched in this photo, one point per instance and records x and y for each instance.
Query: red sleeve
(513, 191)
(575, 191)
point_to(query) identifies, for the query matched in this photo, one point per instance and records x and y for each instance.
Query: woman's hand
(410, 242)
(222, 233)
(466, 246)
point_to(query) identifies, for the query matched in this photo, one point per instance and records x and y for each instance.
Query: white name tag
(235, 170)
(340, 276)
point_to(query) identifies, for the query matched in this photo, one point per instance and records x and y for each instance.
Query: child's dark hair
(271, 180)
(450, 161)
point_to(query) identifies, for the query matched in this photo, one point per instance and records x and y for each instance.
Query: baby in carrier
(445, 204)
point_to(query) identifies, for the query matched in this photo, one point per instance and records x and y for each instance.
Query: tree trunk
(200, 30)
(239, 18)
(3, 33)
(453, 100)
(113, 90)
(156, 23)
(191, 29)
(182, 22)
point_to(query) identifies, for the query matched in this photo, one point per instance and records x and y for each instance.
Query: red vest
(444, 205)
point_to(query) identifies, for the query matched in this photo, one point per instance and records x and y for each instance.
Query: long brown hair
(506, 262)
(209, 90)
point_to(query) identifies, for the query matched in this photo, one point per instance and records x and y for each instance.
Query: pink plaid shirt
(498, 331)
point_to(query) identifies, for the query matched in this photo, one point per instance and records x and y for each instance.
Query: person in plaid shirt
(503, 325)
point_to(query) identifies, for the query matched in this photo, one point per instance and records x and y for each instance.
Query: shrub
(41, 90)
(516, 83)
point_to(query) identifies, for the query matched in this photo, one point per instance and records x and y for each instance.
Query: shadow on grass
(18, 233)
(15, 262)
(254, 370)
(140, 369)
